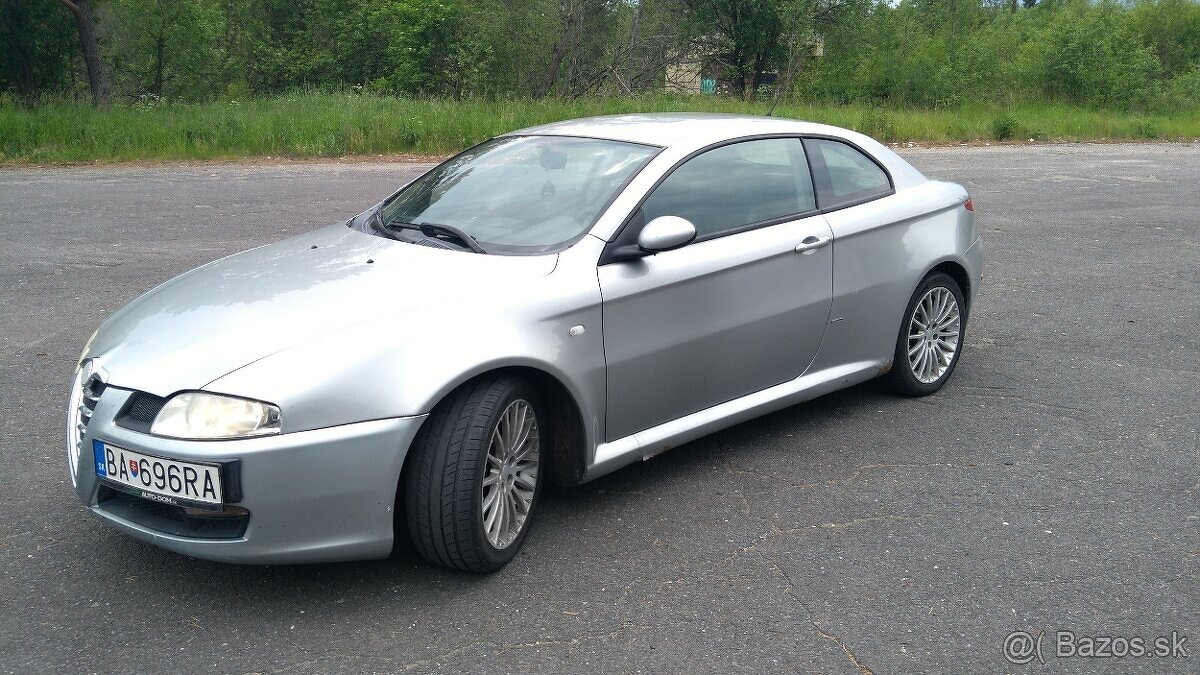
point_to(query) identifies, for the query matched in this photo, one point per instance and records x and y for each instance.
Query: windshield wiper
(434, 229)
(379, 226)
(431, 230)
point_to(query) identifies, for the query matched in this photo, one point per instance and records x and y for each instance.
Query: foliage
(162, 48)
(322, 77)
(37, 48)
(314, 124)
(877, 123)
(1087, 52)
(1133, 54)
(1004, 126)
(946, 53)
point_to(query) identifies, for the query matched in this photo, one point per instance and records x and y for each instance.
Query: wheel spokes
(933, 333)
(491, 511)
(526, 480)
(510, 481)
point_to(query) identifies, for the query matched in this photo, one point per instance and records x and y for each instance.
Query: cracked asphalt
(1052, 485)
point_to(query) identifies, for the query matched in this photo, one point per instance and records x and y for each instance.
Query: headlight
(75, 424)
(87, 346)
(197, 415)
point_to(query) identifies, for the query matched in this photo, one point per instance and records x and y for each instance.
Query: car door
(738, 310)
(874, 273)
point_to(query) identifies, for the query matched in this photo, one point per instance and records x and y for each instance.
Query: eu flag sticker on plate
(98, 455)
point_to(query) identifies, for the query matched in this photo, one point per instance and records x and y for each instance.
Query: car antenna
(774, 101)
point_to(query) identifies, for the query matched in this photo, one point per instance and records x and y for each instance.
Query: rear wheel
(930, 339)
(473, 482)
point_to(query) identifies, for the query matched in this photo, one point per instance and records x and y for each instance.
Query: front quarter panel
(404, 365)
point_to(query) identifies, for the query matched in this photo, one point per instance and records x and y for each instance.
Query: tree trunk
(91, 49)
(741, 71)
(160, 41)
(556, 55)
(624, 66)
(757, 68)
(795, 64)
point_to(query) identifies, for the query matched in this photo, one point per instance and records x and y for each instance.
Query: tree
(650, 35)
(168, 48)
(581, 22)
(37, 48)
(1171, 28)
(801, 25)
(82, 11)
(753, 37)
(745, 36)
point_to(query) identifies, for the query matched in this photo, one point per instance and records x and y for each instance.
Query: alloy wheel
(933, 334)
(511, 475)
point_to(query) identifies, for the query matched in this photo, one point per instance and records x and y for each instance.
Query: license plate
(162, 480)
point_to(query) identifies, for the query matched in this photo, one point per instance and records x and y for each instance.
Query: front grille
(83, 404)
(92, 390)
(144, 407)
(229, 523)
(139, 413)
(84, 396)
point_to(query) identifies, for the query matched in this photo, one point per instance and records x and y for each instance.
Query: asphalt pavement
(1051, 486)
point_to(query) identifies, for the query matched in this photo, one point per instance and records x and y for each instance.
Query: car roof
(670, 129)
(684, 133)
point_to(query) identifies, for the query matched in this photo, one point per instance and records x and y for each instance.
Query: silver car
(550, 305)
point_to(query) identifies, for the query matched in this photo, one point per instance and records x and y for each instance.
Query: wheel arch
(956, 271)
(568, 451)
(569, 444)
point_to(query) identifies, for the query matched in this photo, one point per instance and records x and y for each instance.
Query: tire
(933, 362)
(456, 450)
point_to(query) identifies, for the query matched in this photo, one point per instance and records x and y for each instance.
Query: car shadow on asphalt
(406, 574)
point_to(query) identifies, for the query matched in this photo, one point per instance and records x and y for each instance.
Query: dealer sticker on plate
(162, 480)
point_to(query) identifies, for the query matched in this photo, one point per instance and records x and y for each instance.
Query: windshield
(520, 193)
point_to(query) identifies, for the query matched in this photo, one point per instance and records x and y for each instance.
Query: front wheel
(473, 479)
(930, 339)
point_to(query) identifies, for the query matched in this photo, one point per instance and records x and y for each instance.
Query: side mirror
(665, 233)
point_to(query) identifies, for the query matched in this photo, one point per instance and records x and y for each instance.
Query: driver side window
(736, 186)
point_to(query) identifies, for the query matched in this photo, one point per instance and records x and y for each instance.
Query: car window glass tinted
(853, 177)
(521, 193)
(736, 185)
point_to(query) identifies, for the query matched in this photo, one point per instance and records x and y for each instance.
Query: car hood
(222, 316)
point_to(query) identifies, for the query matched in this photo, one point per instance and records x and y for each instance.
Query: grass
(334, 125)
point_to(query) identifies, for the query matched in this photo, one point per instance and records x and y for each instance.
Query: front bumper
(312, 496)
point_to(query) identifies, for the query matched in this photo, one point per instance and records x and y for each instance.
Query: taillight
(968, 205)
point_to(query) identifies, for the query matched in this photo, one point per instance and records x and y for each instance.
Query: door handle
(811, 244)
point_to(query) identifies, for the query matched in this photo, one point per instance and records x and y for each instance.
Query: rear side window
(844, 175)
(736, 185)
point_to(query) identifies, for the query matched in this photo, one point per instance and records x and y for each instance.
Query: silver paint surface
(357, 337)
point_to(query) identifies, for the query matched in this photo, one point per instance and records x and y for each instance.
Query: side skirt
(656, 440)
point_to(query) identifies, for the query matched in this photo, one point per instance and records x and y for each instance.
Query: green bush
(1103, 53)
(1090, 54)
(878, 124)
(1181, 92)
(1004, 127)
(1144, 128)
